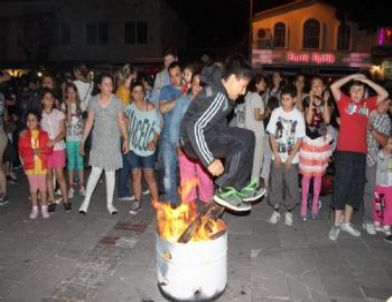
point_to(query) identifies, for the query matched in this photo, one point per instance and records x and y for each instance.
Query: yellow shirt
(37, 161)
(124, 94)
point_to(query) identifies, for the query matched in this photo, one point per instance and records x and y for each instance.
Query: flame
(172, 222)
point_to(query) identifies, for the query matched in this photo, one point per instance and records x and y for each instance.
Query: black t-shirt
(317, 127)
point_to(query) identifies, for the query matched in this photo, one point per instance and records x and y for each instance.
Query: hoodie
(207, 112)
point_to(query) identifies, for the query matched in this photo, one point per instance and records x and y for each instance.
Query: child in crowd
(53, 122)
(272, 104)
(34, 152)
(187, 74)
(382, 203)
(350, 157)
(74, 125)
(205, 135)
(125, 76)
(254, 115)
(287, 130)
(143, 131)
(189, 167)
(105, 112)
(300, 86)
(314, 150)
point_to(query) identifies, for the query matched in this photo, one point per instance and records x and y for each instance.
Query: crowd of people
(220, 130)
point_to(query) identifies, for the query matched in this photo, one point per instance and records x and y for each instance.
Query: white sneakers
(348, 228)
(288, 219)
(275, 217)
(369, 227)
(71, 193)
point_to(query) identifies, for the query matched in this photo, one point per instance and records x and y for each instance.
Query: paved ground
(102, 258)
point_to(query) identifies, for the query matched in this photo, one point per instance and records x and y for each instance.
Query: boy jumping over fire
(205, 134)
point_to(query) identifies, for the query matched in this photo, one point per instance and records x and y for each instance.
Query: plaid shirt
(381, 123)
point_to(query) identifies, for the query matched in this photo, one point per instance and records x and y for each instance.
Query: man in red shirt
(350, 159)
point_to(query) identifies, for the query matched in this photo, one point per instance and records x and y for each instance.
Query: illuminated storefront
(306, 36)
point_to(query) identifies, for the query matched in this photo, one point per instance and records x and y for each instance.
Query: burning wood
(184, 224)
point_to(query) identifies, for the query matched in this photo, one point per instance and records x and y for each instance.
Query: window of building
(142, 32)
(91, 33)
(280, 35)
(344, 37)
(97, 33)
(65, 33)
(129, 32)
(136, 32)
(103, 33)
(311, 34)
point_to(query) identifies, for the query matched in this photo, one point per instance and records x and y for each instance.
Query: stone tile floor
(100, 257)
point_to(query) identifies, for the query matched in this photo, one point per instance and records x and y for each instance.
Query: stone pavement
(103, 258)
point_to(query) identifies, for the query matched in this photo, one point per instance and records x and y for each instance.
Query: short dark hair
(137, 84)
(273, 103)
(170, 52)
(237, 65)
(289, 90)
(34, 112)
(356, 83)
(105, 75)
(174, 65)
(47, 90)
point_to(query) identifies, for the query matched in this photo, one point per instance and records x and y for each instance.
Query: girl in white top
(254, 115)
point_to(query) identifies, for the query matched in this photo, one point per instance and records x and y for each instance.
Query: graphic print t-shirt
(286, 128)
(354, 119)
(141, 129)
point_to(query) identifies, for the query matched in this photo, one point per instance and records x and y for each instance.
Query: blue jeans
(168, 156)
(123, 177)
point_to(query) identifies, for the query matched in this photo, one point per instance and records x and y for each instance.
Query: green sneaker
(230, 198)
(251, 192)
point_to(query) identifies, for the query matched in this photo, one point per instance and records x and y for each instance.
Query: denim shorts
(141, 162)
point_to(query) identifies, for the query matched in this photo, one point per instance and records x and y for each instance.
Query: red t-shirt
(353, 123)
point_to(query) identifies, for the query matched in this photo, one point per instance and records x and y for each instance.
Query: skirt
(314, 155)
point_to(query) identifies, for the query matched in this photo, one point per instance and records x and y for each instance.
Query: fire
(173, 222)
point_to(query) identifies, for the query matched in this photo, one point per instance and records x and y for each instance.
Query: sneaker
(315, 216)
(377, 226)
(127, 198)
(288, 219)
(67, 207)
(3, 200)
(71, 193)
(369, 227)
(136, 207)
(250, 192)
(232, 199)
(275, 217)
(304, 218)
(334, 233)
(51, 207)
(146, 192)
(44, 211)
(58, 200)
(82, 191)
(34, 213)
(388, 239)
(387, 230)
(348, 228)
(58, 192)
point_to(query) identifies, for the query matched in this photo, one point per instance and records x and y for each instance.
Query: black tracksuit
(205, 134)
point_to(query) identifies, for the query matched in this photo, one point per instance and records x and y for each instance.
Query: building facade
(307, 36)
(89, 31)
